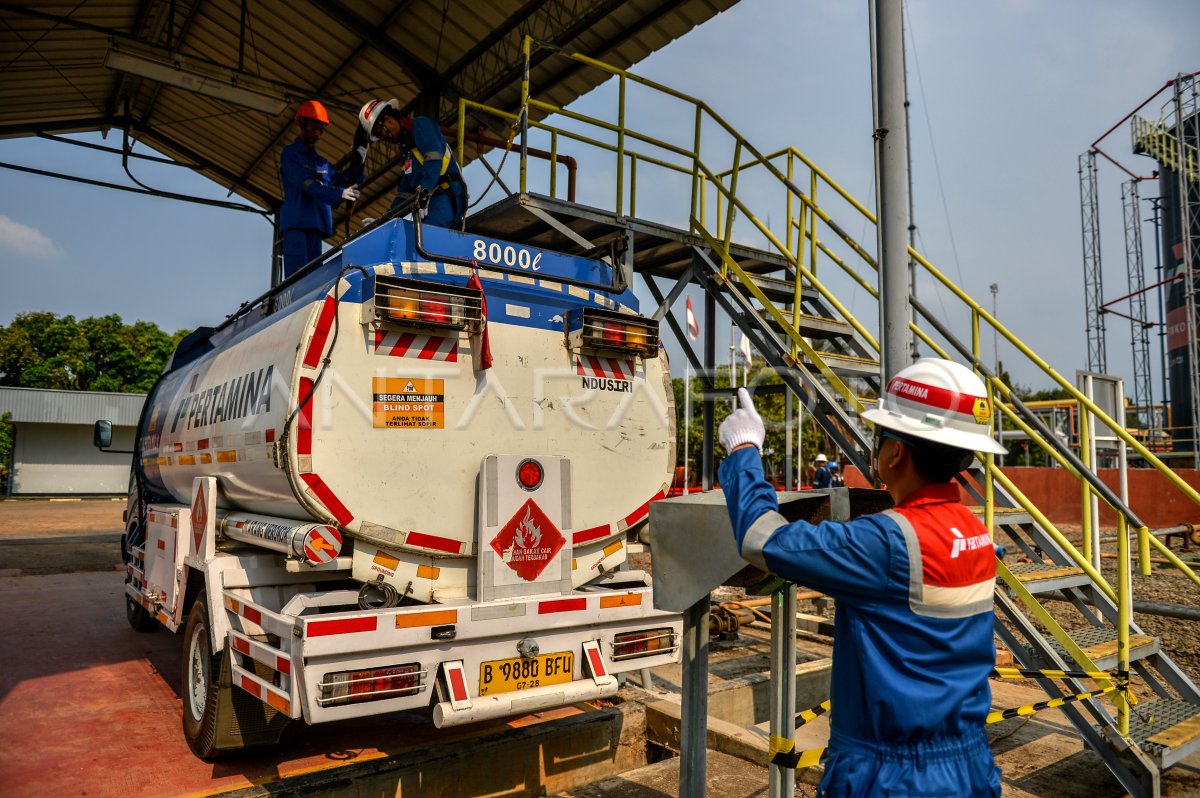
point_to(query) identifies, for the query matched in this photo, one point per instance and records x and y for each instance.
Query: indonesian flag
(693, 325)
(483, 347)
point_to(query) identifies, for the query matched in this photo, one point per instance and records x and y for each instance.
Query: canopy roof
(81, 65)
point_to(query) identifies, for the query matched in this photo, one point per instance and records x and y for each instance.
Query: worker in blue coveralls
(822, 478)
(310, 190)
(913, 645)
(429, 166)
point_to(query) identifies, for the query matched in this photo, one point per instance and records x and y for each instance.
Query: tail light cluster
(618, 332)
(353, 687)
(645, 643)
(415, 303)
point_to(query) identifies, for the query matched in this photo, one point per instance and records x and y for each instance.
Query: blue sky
(1006, 93)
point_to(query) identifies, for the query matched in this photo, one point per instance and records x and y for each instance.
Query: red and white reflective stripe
(611, 367)
(561, 605)
(456, 682)
(316, 344)
(340, 626)
(260, 652)
(595, 660)
(262, 690)
(327, 498)
(435, 542)
(641, 512)
(241, 608)
(424, 347)
(590, 534)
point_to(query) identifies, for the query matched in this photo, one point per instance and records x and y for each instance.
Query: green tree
(102, 353)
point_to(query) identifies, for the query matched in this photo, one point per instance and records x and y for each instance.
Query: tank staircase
(1143, 714)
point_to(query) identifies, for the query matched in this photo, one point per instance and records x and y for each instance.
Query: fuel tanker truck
(405, 478)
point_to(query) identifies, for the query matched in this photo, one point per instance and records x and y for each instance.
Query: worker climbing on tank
(913, 631)
(429, 165)
(310, 190)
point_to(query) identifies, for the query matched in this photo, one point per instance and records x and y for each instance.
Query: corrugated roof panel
(45, 406)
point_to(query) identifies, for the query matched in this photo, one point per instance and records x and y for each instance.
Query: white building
(53, 451)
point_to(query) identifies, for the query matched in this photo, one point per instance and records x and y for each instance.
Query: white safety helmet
(369, 114)
(939, 401)
(822, 459)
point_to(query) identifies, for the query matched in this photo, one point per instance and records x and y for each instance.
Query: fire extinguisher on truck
(404, 480)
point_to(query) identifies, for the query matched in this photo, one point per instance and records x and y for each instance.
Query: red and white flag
(483, 350)
(693, 325)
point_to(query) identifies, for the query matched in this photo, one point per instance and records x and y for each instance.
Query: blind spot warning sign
(402, 403)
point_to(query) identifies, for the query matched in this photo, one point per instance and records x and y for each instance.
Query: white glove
(743, 425)
(352, 193)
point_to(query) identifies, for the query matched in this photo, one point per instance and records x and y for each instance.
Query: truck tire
(199, 682)
(139, 619)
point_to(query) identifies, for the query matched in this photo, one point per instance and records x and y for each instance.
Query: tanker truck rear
(404, 479)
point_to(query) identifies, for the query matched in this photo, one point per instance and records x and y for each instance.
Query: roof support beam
(372, 35)
(154, 137)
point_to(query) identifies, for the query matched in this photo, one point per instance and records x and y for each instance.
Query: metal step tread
(1166, 728)
(814, 326)
(1099, 643)
(776, 289)
(1043, 577)
(843, 364)
(1006, 516)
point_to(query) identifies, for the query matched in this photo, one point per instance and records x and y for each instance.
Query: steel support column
(892, 210)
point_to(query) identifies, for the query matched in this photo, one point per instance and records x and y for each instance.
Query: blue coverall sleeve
(428, 140)
(846, 560)
(298, 175)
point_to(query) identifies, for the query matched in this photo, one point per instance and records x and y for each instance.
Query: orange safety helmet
(312, 109)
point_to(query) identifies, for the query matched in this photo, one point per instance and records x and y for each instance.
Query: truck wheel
(139, 619)
(199, 682)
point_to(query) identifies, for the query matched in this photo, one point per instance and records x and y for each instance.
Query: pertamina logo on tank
(528, 541)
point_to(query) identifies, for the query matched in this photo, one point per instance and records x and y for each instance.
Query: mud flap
(243, 720)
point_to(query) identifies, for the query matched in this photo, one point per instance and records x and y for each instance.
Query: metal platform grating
(1153, 718)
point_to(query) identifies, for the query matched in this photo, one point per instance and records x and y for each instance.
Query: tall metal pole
(781, 781)
(892, 211)
(1162, 312)
(710, 368)
(995, 289)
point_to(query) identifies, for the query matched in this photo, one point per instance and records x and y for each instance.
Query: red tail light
(645, 643)
(530, 474)
(352, 687)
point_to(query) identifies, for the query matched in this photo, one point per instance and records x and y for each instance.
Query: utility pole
(891, 166)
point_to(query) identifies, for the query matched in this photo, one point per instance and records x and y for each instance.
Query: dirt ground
(48, 536)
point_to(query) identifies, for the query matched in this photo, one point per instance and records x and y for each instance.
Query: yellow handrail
(807, 223)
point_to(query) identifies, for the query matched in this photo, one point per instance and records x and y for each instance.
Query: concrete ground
(75, 679)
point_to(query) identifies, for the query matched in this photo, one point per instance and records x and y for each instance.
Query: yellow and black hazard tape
(782, 752)
(1030, 673)
(812, 714)
(1004, 714)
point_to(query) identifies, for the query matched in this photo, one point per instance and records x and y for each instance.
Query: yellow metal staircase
(780, 293)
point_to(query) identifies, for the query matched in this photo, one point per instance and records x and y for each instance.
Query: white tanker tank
(359, 398)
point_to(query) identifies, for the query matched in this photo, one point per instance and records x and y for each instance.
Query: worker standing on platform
(913, 631)
(821, 477)
(310, 190)
(430, 165)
